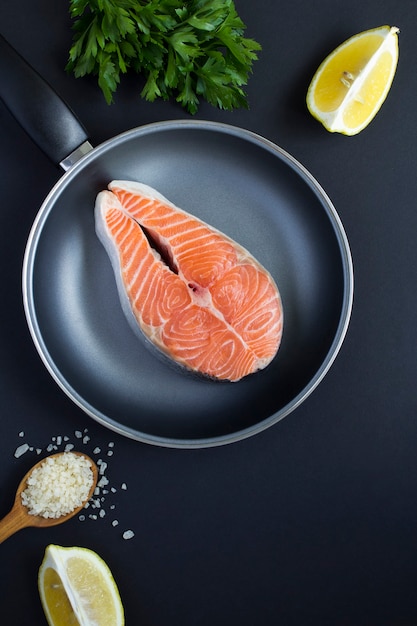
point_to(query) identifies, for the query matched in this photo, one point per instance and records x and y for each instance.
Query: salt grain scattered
(115, 522)
(128, 534)
(123, 486)
(20, 450)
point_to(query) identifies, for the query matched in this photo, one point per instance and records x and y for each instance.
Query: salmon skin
(195, 294)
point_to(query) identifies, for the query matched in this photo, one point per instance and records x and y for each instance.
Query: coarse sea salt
(20, 450)
(97, 504)
(58, 486)
(128, 534)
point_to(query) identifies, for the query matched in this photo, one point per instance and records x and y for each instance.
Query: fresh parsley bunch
(189, 49)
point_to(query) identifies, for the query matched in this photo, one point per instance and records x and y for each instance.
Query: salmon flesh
(195, 294)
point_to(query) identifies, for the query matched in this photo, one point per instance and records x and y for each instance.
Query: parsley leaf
(186, 49)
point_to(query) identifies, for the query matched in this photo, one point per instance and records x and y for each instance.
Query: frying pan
(234, 179)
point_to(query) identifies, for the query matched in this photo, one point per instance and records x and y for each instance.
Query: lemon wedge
(77, 588)
(351, 84)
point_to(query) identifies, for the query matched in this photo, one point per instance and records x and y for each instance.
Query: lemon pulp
(59, 606)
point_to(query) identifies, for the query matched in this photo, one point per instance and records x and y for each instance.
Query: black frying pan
(231, 178)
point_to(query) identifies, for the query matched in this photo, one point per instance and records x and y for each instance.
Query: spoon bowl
(19, 516)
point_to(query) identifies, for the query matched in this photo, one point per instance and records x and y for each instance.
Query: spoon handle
(11, 523)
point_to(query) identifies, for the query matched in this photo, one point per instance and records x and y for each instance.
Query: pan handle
(45, 117)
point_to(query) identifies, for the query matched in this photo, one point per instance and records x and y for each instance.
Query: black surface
(312, 521)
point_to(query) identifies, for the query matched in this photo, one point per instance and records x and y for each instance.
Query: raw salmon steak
(195, 294)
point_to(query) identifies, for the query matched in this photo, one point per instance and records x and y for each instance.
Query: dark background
(313, 521)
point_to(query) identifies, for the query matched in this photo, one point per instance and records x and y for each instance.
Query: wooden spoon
(19, 516)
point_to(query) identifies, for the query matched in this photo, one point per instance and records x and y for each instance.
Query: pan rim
(206, 442)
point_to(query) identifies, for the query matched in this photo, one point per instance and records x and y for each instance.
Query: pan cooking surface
(247, 188)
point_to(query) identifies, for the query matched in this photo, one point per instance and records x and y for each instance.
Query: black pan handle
(45, 117)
